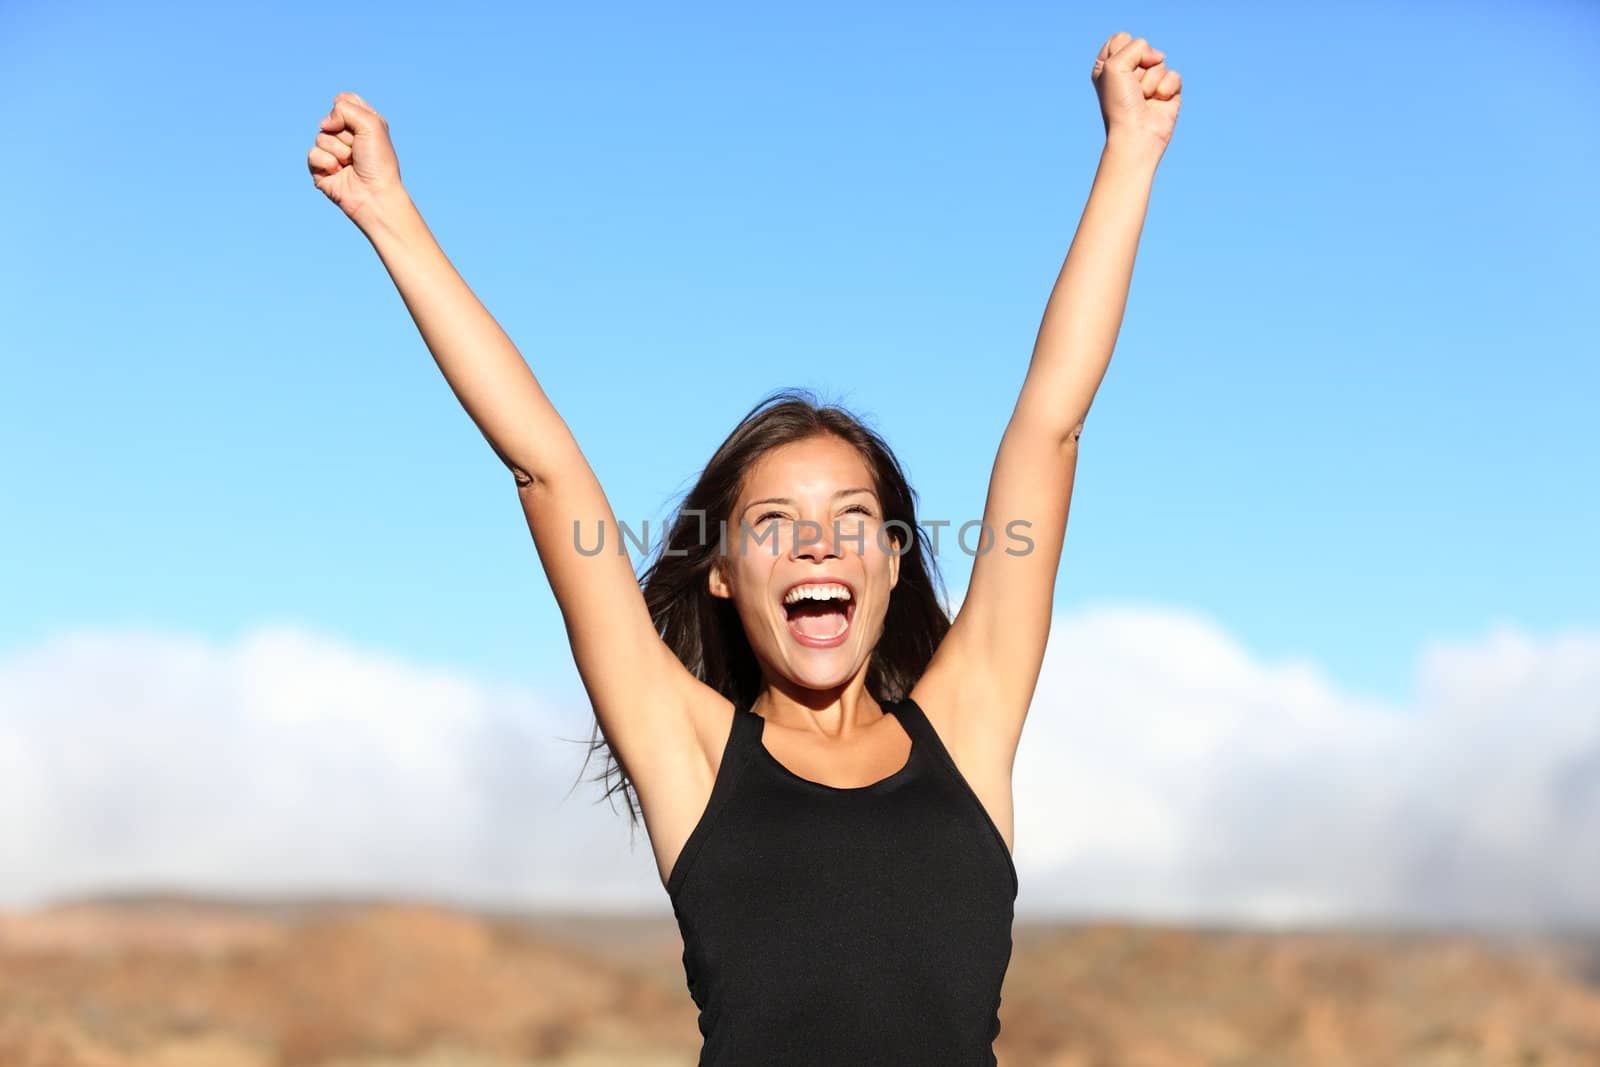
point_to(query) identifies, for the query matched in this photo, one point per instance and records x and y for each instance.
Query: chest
(917, 846)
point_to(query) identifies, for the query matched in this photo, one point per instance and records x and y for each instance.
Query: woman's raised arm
(983, 676)
(640, 691)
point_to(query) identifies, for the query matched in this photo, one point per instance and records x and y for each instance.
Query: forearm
(1084, 314)
(479, 361)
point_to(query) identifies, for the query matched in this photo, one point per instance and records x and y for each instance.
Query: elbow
(1067, 440)
(519, 472)
(1044, 420)
(527, 481)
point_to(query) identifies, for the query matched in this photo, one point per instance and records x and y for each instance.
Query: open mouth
(819, 613)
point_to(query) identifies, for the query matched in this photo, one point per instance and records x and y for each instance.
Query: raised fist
(1139, 96)
(353, 161)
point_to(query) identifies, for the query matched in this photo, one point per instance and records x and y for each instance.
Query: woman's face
(808, 566)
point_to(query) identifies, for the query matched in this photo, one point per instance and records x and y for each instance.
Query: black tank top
(868, 927)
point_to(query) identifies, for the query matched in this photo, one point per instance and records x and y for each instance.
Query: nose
(813, 540)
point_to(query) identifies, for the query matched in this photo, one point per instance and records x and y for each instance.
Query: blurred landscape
(168, 981)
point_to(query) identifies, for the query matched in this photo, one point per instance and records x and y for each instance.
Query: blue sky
(1350, 410)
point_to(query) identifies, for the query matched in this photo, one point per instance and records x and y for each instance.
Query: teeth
(821, 591)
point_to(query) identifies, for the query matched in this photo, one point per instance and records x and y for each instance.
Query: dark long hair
(705, 632)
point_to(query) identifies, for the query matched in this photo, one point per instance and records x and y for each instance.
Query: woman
(821, 757)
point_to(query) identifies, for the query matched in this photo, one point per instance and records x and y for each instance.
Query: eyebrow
(786, 500)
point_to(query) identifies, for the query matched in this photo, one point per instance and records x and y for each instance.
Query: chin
(818, 672)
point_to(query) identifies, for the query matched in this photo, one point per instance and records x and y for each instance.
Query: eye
(859, 508)
(769, 515)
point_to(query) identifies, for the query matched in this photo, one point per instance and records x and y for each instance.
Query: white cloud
(1164, 773)
(293, 763)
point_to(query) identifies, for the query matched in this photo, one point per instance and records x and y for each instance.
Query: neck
(835, 712)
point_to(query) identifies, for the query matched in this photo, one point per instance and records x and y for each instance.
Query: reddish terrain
(189, 983)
